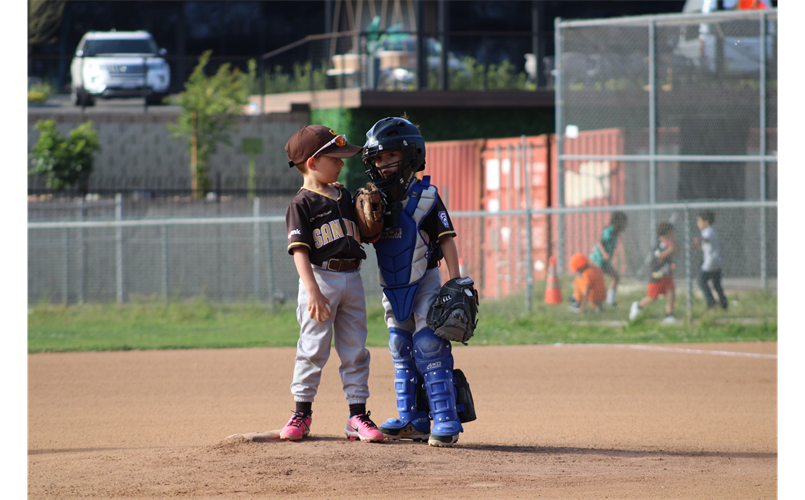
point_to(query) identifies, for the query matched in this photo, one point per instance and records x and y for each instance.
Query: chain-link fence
(244, 257)
(690, 103)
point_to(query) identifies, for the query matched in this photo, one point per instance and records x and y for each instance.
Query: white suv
(118, 64)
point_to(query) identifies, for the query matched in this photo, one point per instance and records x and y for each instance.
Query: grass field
(146, 323)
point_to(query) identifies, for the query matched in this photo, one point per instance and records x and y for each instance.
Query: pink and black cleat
(297, 427)
(361, 427)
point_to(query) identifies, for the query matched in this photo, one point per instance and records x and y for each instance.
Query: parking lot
(60, 103)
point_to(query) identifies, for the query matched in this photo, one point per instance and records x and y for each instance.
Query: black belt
(338, 265)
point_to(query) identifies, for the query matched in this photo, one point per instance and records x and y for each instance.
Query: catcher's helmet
(394, 134)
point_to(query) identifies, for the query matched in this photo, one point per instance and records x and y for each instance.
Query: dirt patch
(564, 421)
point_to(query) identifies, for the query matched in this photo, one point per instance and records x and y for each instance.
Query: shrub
(64, 163)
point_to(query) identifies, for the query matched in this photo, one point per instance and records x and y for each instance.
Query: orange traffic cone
(553, 293)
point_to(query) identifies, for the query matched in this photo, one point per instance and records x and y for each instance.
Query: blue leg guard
(413, 422)
(434, 360)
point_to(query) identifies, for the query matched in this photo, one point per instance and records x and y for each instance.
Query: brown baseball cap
(307, 141)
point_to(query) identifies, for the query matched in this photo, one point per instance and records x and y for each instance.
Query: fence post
(165, 275)
(560, 197)
(66, 280)
(269, 255)
(529, 277)
(81, 268)
(119, 246)
(256, 248)
(688, 266)
(652, 124)
(763, 146)
(499, 244)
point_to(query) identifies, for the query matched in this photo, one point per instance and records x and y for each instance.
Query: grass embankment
(151, 324)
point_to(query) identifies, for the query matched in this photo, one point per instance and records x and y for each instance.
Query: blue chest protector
(403, 251)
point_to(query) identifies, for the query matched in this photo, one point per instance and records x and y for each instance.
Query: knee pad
(431, 352)
(400, 344)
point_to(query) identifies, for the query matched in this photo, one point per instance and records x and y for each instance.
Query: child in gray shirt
(711, 263)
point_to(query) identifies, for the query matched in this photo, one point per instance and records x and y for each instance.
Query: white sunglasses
(339, 140)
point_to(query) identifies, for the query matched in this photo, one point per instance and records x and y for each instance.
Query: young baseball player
(602, 252)
(325, 244)
(711, 260)
(416, 235)
(662, 277)
(588, 284)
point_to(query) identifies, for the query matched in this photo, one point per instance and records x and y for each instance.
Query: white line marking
(680, 349)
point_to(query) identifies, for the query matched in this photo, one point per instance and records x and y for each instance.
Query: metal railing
(385, 60)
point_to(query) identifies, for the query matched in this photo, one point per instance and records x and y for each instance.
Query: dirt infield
(565, 421)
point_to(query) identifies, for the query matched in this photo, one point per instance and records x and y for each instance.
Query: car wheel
(80, 97)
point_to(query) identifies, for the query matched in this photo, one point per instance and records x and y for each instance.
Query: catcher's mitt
(369, 211)
(452, 314)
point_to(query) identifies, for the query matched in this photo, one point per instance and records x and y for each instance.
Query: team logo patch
(443, 218)
(433, 366)
(294, 232)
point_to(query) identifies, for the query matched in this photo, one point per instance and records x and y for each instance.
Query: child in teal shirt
(603, 250)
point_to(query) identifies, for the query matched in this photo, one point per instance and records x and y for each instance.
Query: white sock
(610, 296)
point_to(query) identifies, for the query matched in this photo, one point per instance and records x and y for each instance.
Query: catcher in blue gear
(417, 233)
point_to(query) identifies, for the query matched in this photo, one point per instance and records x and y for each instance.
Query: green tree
(209, 107)
(65, 162)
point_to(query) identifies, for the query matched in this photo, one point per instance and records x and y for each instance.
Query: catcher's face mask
(393, 135)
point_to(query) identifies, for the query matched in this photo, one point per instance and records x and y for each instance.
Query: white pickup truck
(110, 64)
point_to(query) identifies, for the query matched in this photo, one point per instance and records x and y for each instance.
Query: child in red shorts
(662, 277)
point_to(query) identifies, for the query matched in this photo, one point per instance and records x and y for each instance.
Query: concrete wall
(138, 151)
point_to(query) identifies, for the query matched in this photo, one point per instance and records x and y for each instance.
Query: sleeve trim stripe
(446, 233)
(298, 243)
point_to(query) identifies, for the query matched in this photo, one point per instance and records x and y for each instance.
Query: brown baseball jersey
(326, 226)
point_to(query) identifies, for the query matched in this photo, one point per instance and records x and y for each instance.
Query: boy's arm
(584, 295)
(450, 253)
(316, 301)
(667, 252)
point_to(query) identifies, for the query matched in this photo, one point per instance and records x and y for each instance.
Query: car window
(141, 46)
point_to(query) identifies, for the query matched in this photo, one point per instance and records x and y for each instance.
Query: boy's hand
(336, 185)
(317, 305)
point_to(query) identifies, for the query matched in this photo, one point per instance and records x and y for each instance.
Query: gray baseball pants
(346, 325)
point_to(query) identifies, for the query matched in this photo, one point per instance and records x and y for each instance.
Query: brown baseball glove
(369, 211)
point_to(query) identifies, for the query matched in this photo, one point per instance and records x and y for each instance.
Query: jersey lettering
(333, 231)
(325, 234)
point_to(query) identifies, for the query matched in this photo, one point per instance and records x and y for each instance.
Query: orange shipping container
(455, 168)
(504, 247)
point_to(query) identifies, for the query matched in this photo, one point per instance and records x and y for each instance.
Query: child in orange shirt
(588, 285)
